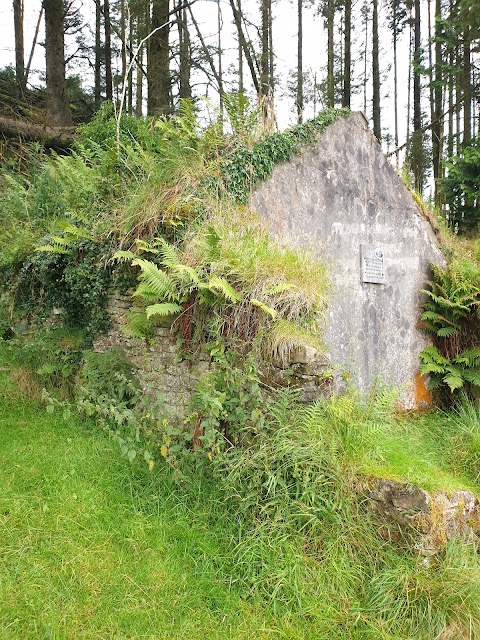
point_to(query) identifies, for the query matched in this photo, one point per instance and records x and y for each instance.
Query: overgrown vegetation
(461, 188)
(271, 538)
(275, 486)
(451, 314)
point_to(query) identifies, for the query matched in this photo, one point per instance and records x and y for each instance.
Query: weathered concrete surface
(336, 196)
(436, 516)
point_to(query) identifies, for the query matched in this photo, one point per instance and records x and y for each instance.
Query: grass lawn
(91, 548)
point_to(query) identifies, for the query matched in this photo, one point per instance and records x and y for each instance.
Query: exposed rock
(436, 516)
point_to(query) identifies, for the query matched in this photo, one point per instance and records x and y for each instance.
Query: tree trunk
(437, 126)
(58, 110)
(365, 11)
(220, 66)
(417, 156)
(108, 51)
(395, 83)
(55, 137)
(123, 38)
(330, 54)
(130, 56)
(347, 65)
(98, 55)
(270, 48)
(409, 83)
(240, 57)
(300, 62)
(245, 46)
(19, 44)
(264, 57)
(185, 59)
(377, 129)
(158, 73)
(417, 59)
(467, 86)
(34, 44)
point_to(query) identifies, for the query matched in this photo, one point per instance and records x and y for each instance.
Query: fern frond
(186, 274)
(144, 291)
(168, 253)
(156, 281)
(146, 247)
(431, 354)
(454, 381)
(266, 309)
(137, 324)
(445, 332)
(472, 376)
(470, 357)
(123, 256)
(162, 309)
(220, 285)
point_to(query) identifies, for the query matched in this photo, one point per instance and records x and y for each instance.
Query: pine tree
(58, 109)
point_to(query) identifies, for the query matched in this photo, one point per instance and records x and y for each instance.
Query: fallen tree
(58, 137)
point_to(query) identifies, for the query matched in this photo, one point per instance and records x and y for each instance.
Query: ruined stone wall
(436, 517)
(160, 365)
(342, 199)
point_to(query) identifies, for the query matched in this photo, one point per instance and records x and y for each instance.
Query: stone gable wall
(338, 198)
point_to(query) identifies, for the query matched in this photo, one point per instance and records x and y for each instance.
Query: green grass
(93, 547)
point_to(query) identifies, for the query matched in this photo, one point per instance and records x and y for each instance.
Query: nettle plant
(451, 314)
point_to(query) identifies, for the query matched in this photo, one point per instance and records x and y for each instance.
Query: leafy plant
(451, 315)
(462, 188)
(109, 374)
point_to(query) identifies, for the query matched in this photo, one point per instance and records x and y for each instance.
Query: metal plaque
(373, 269)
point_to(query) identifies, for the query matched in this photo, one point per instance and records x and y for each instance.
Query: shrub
(451, 314)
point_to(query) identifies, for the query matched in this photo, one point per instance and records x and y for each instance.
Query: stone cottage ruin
(342, 198)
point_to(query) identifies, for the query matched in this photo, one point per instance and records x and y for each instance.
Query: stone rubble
(436, 516)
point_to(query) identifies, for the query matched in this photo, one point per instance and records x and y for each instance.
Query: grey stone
(410, 499)
(436, 517)
(337, 195)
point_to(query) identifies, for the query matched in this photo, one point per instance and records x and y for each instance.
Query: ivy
(247, 166)
(76, 283)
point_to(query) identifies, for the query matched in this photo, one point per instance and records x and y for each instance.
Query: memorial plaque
(372, 264)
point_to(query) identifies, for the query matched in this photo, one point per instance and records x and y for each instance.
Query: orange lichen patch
(423, 397)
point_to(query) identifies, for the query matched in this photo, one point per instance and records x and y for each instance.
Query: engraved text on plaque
(372, 264)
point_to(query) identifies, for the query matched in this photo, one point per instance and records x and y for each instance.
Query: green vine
(246, 167)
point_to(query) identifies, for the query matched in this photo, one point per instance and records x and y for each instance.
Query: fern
(137, 324)
(123, 256)
(155, 281)
(451, 315)
(162, 309)
(265, 308)
(222, 286)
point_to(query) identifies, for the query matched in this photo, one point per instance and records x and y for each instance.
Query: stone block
(436, 517)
